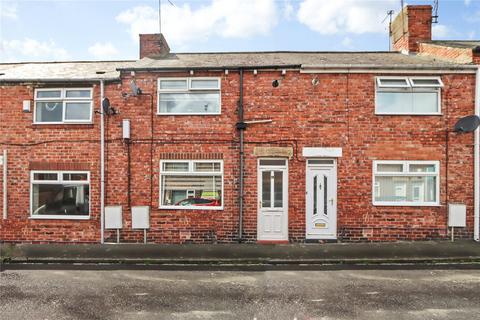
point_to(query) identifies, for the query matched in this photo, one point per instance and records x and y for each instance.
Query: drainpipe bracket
(241, 126)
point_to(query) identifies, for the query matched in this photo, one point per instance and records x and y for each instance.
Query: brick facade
(457, 55)
(153, 45)
(336, 111)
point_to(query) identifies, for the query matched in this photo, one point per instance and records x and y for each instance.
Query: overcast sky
(37, 30)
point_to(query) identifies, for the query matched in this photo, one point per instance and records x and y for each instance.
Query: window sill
(191, 208)
(408, 114)
(88, 125)
(59, 217)
(189, 114)
(404, 204)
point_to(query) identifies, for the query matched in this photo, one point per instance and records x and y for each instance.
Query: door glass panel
(325, 193)
(278, 189)
(273, 162)
(266, 192)
(315, 186)
(321, 161)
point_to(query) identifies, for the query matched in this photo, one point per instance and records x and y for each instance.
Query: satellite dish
(134, 88)
(106, 106)
(467, 124)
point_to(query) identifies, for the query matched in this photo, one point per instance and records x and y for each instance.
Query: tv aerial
(136, 91)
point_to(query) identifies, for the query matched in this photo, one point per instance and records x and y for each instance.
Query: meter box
(141, 217)
(457, 215)
(113, 217)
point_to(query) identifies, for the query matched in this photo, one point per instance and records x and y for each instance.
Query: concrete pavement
(436, 252)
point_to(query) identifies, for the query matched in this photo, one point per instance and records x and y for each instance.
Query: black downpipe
(241, 126)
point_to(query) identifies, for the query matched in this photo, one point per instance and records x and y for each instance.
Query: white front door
(272, 220)
(321, 199)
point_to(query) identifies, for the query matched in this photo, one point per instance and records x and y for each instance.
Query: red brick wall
(153, 45)
(325, 120)
(54, 147)
(457, 55)
(419, 28)
(339, 112)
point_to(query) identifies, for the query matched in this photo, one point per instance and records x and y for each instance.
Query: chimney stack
(153, 45)
(411, 26)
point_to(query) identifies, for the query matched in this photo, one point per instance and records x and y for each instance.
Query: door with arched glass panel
(321, 199)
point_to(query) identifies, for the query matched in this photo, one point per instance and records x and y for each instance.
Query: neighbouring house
(243, 146)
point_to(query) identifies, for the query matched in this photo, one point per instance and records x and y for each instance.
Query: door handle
(331, 201)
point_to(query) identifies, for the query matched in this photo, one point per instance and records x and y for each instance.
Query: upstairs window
(64, 105)
(408, 95)
(60, 194)
(188, 96)
(406, 183)
(191, 184)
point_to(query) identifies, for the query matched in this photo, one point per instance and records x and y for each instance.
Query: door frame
(284, 169)
(332, 166)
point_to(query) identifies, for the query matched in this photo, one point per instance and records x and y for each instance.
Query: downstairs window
(191, 184)
(60, 194)
(406, 183)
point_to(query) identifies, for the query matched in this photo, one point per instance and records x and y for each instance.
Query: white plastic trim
(322, 152)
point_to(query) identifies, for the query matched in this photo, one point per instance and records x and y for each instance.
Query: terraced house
(244, 146)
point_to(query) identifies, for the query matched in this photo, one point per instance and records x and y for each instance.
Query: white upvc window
(60, 194)
(189, 96)
(191, 184)
(408, 95)
(406, 183)
(63, 105)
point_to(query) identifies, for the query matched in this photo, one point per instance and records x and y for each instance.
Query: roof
(226, 60)
(467, 44)
(62, 71)
(109, 70)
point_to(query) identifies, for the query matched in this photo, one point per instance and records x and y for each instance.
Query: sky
(59, 30)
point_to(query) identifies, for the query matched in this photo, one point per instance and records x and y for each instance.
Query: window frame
(64, 100)
(406, 173)
(190, 172)
(440, 82)
(412, 89)
(380, 85)
(60, 181)
(188, 90)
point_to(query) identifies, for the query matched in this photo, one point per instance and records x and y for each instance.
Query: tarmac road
(134, 294)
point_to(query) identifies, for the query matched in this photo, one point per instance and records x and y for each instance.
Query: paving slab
(327, 253)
